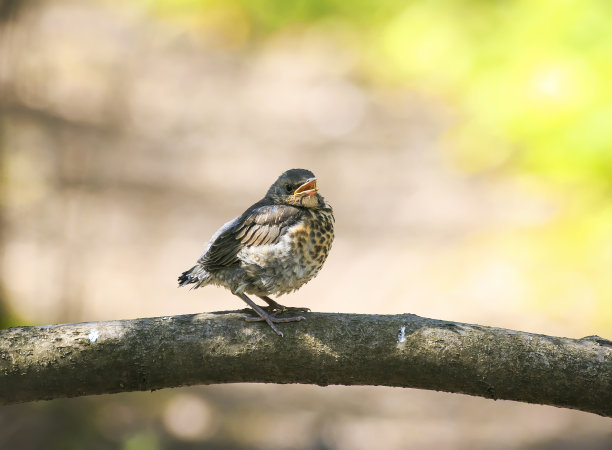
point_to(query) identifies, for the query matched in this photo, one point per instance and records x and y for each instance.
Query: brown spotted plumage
(273, 248)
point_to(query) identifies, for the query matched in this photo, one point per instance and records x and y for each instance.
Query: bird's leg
(272, 305)
(275, 306)
(270, 319)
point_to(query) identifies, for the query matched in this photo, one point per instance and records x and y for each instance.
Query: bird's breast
(296, 258)
(311, 239)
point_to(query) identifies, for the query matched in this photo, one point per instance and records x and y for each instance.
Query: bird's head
(296, 187)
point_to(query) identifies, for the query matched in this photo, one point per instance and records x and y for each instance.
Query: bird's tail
(196, 275)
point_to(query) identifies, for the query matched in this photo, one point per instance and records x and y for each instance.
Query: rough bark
(47, 362)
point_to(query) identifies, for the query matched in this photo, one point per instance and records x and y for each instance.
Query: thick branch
(396, 350)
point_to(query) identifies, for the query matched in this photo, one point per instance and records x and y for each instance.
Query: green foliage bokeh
(529, 78)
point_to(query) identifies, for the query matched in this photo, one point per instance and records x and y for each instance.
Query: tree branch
(47, 362)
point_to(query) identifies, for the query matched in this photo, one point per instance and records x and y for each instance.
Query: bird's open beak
(307, 189)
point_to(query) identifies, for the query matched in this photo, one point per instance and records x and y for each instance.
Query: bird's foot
(272, 318)
(268, 316)
(282, 308)
(274, 306)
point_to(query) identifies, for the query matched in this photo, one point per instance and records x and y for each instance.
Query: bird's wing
(259, 225)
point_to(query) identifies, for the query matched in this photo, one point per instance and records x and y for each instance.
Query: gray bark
(47, 362)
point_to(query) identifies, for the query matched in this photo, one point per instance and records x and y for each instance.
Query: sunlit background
(466, 147)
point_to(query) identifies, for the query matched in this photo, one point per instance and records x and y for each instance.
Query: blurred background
(466, 147)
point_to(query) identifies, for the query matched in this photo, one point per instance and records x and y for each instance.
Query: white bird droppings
(93, 335)
(401, 336)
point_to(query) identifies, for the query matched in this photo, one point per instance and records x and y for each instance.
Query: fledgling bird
(273, 248)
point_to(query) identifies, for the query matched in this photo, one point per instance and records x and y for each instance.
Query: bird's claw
(277, 309)
(271, 319)
(270, 313)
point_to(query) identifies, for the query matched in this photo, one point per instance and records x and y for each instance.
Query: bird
(273, 248)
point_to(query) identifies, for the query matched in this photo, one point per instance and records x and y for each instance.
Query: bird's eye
(289, 189)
